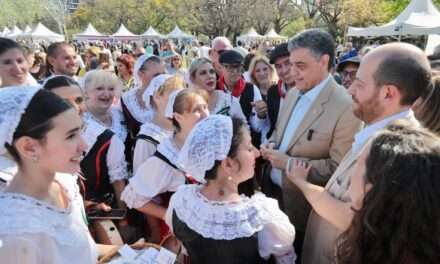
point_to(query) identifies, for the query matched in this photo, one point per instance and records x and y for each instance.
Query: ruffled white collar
(130, 100)
(91, 132)
(155, 131)
(23, 214)
(168, 148)
(118, 123)
(222, 220)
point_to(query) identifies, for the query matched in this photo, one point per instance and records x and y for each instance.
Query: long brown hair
(399, 221)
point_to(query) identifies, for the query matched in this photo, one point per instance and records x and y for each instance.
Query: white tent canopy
(124, 34)
(41, 32)
(151, 33)
(90, 33)
(5, 32)
(272, 35)
(177, 33)
(27, 29)
(250, 36)
(420, 17)
(14, 33)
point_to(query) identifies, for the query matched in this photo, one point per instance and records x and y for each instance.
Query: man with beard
(389, 80)
(62, 59)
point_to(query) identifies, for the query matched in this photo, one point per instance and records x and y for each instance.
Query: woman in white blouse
(202, 76)
(214, 223)
(42, 219)
(149, 189)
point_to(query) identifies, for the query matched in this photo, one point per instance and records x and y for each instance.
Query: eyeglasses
(348, 74)
(233, 67)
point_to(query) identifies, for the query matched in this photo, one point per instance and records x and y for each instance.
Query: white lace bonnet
(153, 86)
(137, 67)
(169, 110)
(14, 101)
(209, 140)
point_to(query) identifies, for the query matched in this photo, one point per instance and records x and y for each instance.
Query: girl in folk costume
(136, 110)
(202, 76)
(214, 223)
(159, 176)
(42, 219)
(160, 127)
(103, 164)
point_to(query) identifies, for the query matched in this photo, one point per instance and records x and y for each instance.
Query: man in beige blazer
(316, 123)
(388, 82)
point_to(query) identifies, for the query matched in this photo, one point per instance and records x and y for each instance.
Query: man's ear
(391, 92)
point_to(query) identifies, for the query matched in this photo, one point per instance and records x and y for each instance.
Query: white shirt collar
(313, 93)
(362, 136)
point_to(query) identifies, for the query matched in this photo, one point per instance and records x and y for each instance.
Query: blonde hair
(102, 78)
(185, 101)
(264, 60)
(171, 85)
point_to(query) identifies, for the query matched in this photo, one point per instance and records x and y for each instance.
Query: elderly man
(389, 80)
(316, 123)
(218, 46)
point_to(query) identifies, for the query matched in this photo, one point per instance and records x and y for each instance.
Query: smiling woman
(14, 67)
(42, 219)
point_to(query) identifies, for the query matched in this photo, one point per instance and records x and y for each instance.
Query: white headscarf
(209, 140)
(14, 101)
(170, 104)
(137, 67)
(153, 86)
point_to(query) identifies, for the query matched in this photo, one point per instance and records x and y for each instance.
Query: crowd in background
(300, 152)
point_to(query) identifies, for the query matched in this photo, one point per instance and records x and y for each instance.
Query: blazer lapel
(315, 110)
(284, 114)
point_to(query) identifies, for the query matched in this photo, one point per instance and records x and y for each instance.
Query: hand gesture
(260, 107)
(299, 170)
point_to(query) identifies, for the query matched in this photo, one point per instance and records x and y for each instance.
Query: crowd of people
(295, 153)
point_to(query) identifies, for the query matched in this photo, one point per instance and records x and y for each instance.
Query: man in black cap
(279, 57)
(231, 81)
(347, 69)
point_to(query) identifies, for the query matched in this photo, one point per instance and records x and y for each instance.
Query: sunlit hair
(185, 101)
(253, 64)
(170, 85)
(102, 78)
(399, 221)
(195, 65)
(428, 112)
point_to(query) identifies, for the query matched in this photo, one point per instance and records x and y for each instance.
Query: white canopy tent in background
(42, 33)
(5, 32)
(272, 35)
(250, 36)
(151, 33)
(27, 29)
(177, 33)
(124, 34)
(420, 17)
(14, 33)
(90, 33)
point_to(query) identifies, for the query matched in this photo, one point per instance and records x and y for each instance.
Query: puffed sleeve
(117, 166)
(142, 151)
(19, 250)
(236, 110)
(153, 177)
(277, 236)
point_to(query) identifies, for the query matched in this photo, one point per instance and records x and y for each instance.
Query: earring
(35, 158)
(229, 178)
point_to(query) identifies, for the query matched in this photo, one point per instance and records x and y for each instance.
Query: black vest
(273, 107)
(95, 170)
(207, 250)
(246, 98)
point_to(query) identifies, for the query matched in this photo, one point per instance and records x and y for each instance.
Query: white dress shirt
(303, 104)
